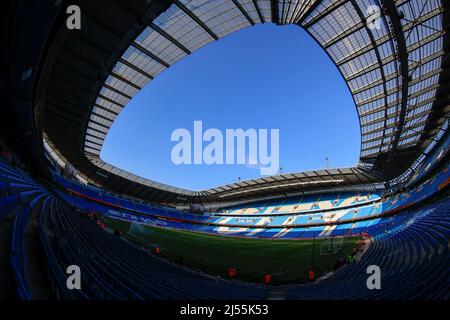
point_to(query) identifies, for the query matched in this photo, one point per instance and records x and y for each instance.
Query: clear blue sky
(264, 76)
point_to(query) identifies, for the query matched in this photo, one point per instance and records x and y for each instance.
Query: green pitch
(287, 261)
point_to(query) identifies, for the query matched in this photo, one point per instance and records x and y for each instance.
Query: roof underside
(396, 68)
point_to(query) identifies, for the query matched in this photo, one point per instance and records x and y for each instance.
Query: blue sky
(264, 76)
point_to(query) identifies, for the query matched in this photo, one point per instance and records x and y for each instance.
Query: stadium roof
(396, 68)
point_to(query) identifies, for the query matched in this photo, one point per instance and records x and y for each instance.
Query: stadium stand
(68, 237)
(76, 239)
(310, 203)
(61, 92)
(116, 268)
(120, 270)
(342, 220)
(412, 250)
(21, 196)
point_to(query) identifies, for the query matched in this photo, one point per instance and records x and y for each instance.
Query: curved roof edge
(395, 128)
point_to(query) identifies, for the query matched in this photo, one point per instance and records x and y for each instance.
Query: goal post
(331, 245)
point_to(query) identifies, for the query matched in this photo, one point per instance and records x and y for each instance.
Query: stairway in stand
(276, 293)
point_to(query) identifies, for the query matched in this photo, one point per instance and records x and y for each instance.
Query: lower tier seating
(413, 256)
(115, 269)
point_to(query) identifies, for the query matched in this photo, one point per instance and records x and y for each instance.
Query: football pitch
(288, 261)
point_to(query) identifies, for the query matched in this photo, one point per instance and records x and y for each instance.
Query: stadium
(75, 227)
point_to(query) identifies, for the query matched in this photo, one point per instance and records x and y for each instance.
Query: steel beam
(196, 19)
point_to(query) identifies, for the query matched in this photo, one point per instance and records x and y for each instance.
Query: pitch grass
(288, 261)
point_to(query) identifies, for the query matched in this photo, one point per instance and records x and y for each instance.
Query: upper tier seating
(304, 204)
